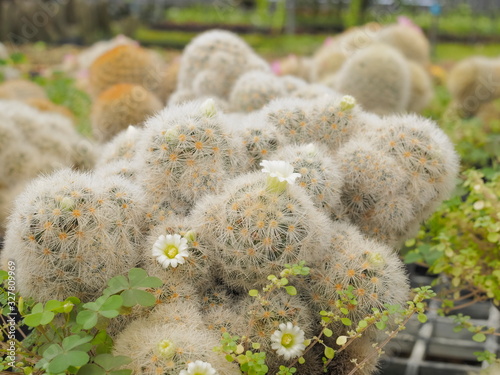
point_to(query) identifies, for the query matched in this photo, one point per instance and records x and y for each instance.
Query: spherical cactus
(53, 135)
(426, 155)
(370, 176)
(319, 175)
(20, 89)
(257, 225)
(181, 97)
(472, 82)
(171, 349)
(213, 61)
(422, 89)
(255, 89)
(119, 106)
(172, 253)
(127, 64)
(371, 271)
(333, 120)
(378, 77)
(185, 152)
(291, 117)
(408, 40)
(121, 147)
(70, 233)
(281, 317)
(259, 140)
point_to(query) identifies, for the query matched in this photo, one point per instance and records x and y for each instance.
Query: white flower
(166, 348)
(199, 368)
(208, 108)
(279, 169)
(131, 132)
(170, 250)
(288, 341)
(348, 102)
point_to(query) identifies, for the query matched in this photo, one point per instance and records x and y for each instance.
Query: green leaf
(116, 284)
(112, 303)
(87, 319)
(346, 321)
(255, 345)
(52, 351)
(479, 337)
(42, 318)
(422, 318)
(380, 325)
(329, 352)
(73, 358)
(362, 323)
(134, 297)
(91, 369)
(73, 341)
(301, 360)
(139, 278)
(253, 292)
(327, 332)
(53, 305)
(291, 290)
(109, 361)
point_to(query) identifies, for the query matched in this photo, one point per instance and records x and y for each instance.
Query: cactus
(119, 106)
(256, 226)
(253, 90)
(172, 253)
(410, 41)
(213, 61)
(20, 160)
(170, 77)
(367, 266)
(20, 89)
(70, 233)
(258, 138)
(330, 57)
(319, 175)
(127, 64)
(293, 84)
(473, 82)
(426, 155)
(372, 178)
(422, 89)
(184, 153)
(53, 135)
(121, 147)
(159, 348)
(378, 77)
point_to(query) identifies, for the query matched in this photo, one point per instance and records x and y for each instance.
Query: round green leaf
(134, 297)
(91, 369)
(422, 318)
(73, 358)
(327, 332)
(87, 319)
(479, 337)
(291, 290)
(329, 352)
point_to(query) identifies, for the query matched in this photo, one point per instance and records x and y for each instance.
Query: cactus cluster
(213, 203)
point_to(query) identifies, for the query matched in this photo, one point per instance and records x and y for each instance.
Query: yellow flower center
(287, 340)
(171, 251)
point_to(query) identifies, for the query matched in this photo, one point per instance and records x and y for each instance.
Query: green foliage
(69, 337)
(62, 90)
(460, 241)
